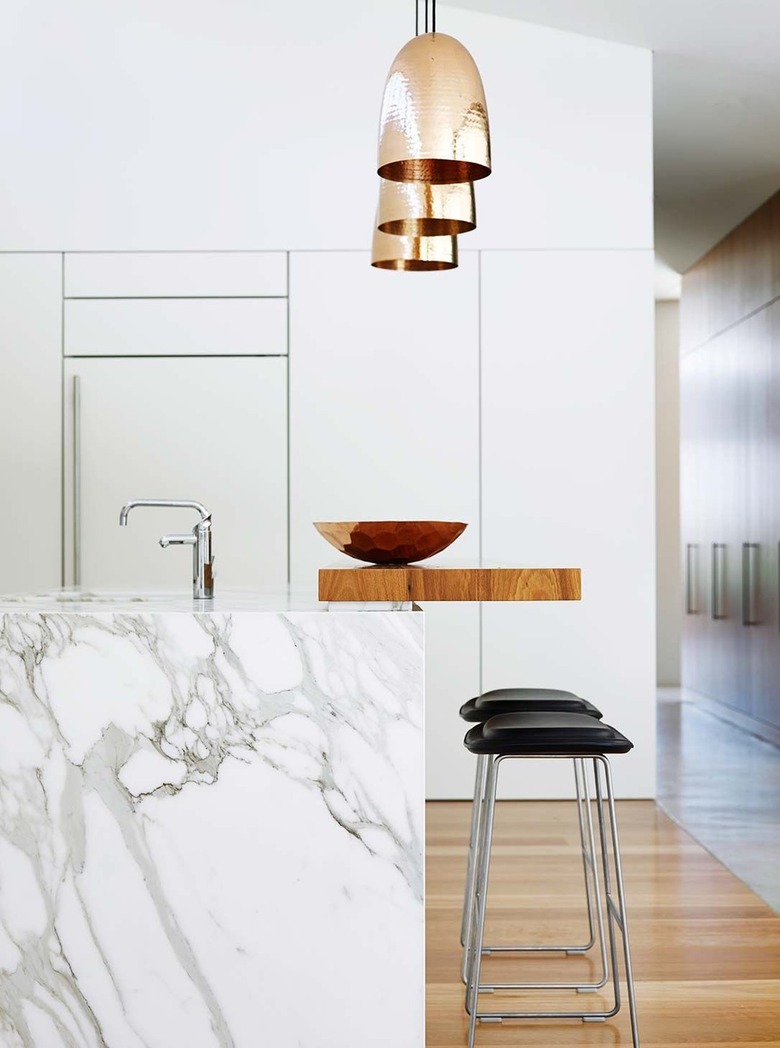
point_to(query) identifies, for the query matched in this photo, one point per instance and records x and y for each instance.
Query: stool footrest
(586, 1017)
(579, 950)
(579, 987)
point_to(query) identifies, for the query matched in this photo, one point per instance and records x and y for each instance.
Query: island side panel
(211, 830)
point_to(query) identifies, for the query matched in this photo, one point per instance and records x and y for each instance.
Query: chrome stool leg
(581, 986)
(476, 804)
(588, 856)
(590, 876)
(615, 912)
(590, 867)
(479, 901)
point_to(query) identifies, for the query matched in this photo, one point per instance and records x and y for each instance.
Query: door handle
(751, 612)
(77, 480)
(691, 578)
(718, 580)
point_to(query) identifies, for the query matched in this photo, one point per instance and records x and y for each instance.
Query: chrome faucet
(200, 540)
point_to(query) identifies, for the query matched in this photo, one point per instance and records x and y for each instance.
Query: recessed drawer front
(175, 327)
(171, 274)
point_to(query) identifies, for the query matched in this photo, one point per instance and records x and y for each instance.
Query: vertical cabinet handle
(76, 480)
(719, 580)
(691, 578)
(750, 597)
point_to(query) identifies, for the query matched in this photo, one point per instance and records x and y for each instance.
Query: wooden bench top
(413, 583)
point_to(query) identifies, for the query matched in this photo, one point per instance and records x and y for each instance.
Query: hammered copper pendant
(413, 253)
(419, 209)
(434, 123)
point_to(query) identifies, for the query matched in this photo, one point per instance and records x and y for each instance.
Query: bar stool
(512, 736)
(536, 700)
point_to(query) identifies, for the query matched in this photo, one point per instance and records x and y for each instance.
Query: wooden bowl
(390, 541)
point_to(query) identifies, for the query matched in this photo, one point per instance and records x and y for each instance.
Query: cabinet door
(567, 480)
(170, 327)
(725, 492)
(764, 421)
(694, 529)
(384, 413)
(175, 274)
(212, 430)
(30, 430)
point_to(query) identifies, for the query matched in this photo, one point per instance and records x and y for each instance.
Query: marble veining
(211, 829)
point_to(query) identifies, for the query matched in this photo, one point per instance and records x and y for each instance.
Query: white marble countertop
(278, 599)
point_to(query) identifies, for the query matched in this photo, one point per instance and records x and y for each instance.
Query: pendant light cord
(425, 23)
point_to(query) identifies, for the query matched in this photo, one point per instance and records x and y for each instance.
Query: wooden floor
(706, 950)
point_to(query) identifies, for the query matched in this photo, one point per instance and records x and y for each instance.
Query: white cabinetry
(30, 421)
(175, 274)
(166, 327)
(568, 479)
(384, 424)
(208, 429)
(162, 304)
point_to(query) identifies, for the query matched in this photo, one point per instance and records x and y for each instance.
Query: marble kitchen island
(211, 824)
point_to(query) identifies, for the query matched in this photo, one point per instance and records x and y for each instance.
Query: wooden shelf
(411, 583)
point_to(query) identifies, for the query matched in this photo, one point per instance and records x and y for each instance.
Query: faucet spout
(174, 503)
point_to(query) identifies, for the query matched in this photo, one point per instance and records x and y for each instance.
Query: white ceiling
(717, 103)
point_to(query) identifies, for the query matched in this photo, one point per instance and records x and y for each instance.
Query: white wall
(668, 574)
(179, 124)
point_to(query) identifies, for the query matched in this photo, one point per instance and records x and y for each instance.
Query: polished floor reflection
(723, 786)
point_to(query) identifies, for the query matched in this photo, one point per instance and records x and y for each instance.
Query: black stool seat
(525, 700)
(559, 734)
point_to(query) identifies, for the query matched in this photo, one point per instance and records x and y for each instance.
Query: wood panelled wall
(730, 454)
(738, 276)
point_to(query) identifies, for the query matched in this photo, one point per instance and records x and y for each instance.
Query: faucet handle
(178, 540)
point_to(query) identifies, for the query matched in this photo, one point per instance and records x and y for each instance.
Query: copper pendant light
(434, 121)
(420, 209)
(413, 254)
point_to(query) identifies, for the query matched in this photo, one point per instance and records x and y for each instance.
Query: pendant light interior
(413, 265)
(419, 209)
(437, 172)
(413, 254)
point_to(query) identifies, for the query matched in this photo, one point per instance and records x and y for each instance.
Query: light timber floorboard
(706, 950)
